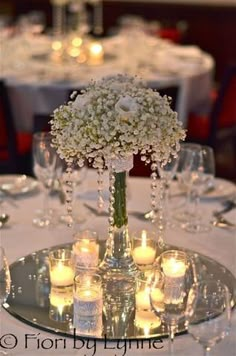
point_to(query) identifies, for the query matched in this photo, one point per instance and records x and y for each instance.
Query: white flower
(126, 106)
(97, 124)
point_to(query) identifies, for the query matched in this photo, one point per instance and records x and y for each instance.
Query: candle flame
(144, 238)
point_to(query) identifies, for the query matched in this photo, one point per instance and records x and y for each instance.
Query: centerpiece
(106, 124)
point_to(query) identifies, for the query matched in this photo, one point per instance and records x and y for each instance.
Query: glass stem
(45, 202)
(171, 339)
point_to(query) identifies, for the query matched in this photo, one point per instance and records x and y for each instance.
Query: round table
(20, 238)
(37, 84)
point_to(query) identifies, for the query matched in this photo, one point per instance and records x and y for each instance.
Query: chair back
(223, 115)
(8, 140)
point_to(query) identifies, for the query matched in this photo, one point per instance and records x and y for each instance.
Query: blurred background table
(38, 83)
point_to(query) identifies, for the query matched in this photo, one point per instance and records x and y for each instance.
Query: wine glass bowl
(172, 280)
(47, 168)
(208, 313)
(198, 175)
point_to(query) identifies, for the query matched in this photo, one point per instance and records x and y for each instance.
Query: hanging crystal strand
(160, 221)
(111, 202)
(153, 191)
(69, 194)
(100, 201)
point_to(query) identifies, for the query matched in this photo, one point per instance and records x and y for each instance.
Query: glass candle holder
(174, 265)
(144, 248)
(61, 304)
(61, 268)
(86, 249)
(88, 304)
(143, 288)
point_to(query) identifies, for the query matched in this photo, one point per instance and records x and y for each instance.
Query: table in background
(38, 85)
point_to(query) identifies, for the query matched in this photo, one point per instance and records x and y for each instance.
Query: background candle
(95, 53)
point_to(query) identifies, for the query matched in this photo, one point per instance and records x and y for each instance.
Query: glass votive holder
(86, 249)
(174, 264)
(144, 288)
(61, 304)
(144, 248)
(88, 304)
(61, 268)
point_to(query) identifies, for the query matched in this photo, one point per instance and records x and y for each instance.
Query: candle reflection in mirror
(61, 304)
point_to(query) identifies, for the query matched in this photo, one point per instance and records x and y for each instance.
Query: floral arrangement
(114, 118)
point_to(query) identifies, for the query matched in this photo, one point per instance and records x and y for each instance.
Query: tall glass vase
(118, 267)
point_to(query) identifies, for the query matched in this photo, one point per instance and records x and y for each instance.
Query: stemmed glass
(47, 168)
(198, 175)
(208, 313)
(184, 212)
(174, 286)
(167, 173)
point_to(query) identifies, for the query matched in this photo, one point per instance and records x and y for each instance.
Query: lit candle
(86, 253)
(174, 271)
(95, 53)
(144, 254)
(88, 305)
(61, 275)
(174, 268)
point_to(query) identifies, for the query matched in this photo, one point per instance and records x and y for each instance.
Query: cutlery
(3, 219)
(221, 222)
(137, 214)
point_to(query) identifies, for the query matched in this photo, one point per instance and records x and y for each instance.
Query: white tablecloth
(21, 238)
(38, 85)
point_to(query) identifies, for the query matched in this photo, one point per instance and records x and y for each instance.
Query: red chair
(219, 128)
(15, 147)
(221, 122)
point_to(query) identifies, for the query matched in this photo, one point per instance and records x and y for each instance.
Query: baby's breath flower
(115, 117)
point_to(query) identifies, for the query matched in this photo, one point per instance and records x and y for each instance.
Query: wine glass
(167, 173)
(174, 284)
(184, 212)
(208, 313)
(47, 168)
(198, 175)
(5, 278)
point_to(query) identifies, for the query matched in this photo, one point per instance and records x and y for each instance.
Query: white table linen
(21, 238)
(38, 85)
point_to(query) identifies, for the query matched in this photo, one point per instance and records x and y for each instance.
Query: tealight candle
(95, 53)
(174, 266)
(86, 249)
(61, 268)
(88, 304)
(144, 249)
(142, 298)
(61, 276)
